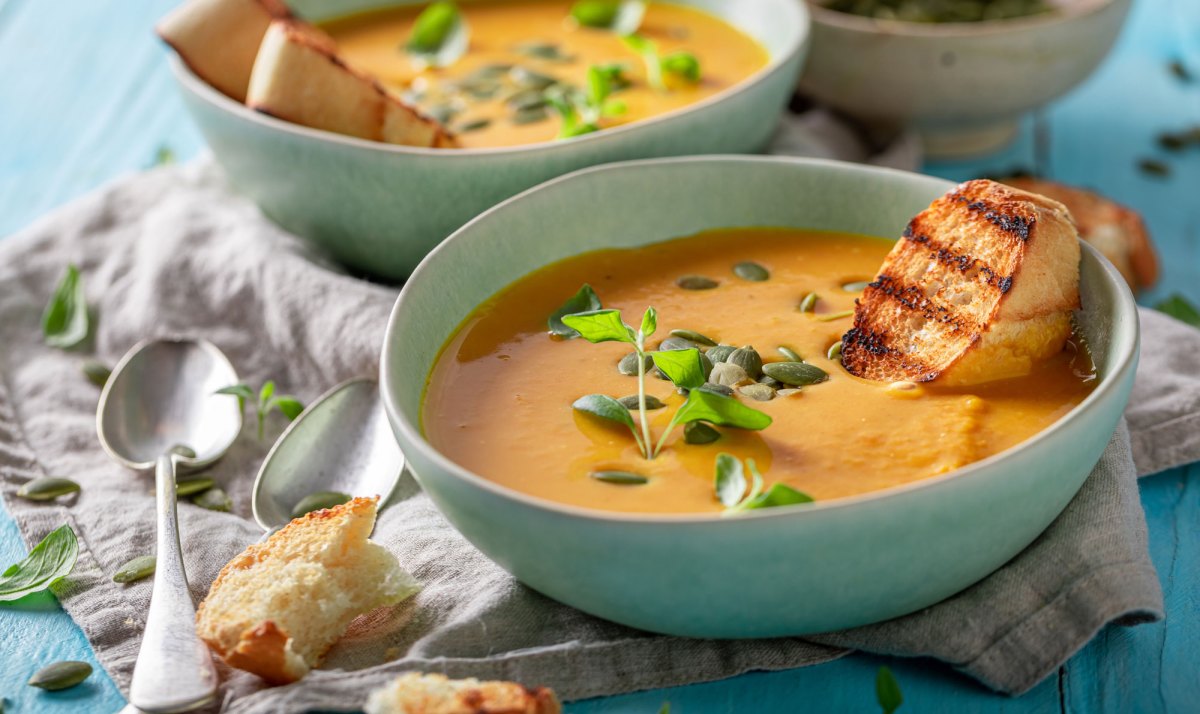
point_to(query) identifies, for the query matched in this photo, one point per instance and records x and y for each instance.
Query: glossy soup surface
(499, 398)
(478, 92)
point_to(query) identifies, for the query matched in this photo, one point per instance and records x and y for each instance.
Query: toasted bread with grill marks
(277, 608)
(1116, 231)
(414, 693)
(981, 286)
(219, 39)
(298, 77)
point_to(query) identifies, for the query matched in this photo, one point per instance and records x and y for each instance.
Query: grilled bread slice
(219, 39)
(1116, 231)
(277, 608)
(298, 77)
(414, 693)
(981, 287)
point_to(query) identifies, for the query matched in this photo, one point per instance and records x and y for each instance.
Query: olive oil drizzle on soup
(485, 96)
(499, 398)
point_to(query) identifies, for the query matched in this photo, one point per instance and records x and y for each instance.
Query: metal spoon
(341, 443)
(159, 398)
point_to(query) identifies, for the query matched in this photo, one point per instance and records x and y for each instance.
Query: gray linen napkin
(171, 252)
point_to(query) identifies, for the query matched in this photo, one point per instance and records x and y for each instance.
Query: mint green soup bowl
(776, 572)
(379, 208)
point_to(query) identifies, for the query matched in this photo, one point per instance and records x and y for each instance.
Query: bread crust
(1117, 231)
(415, 693)
(981, 286)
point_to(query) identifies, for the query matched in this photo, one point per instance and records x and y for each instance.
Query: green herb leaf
(649, 322)
(665, 708)
(164, 155)
(595, 13)
(586, 300)
(1178, 307)
(50, 561)
(682, 64)
(648, 51)
(682, 367)
(778, 495)
(290, 406)
(243, 392)
(605, 407)
(434, 26)
(730, 480)
(716, 409)
(600, 326)
(887, 691)
(566, 102)
(265, 393)
(65, 320)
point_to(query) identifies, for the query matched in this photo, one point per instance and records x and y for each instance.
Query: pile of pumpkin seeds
(941, 10)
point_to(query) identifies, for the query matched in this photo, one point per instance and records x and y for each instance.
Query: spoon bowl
(342, 442)
(162, 395)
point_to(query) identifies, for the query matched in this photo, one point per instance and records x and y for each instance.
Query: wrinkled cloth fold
(172, 252)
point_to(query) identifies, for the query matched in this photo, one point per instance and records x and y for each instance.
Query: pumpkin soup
(530, 71)
(760, 314)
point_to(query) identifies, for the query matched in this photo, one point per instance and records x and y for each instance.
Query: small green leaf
(887, 691)
(49, 561)
(665, 708)
(604, 407)
(698, 433)
(716, 409)
(649, 322)
(264, 394)
(96, 372)
(586, 300)
(600, 326)
(596, 13)
(290, 406)
(243, 392)
(778, 495)
(65, 320)
(433, 27)
(649, 54)
(682, 367)
(1180, 308)
(164, 155)
(682, 64)
(621, 478)
(730, 480)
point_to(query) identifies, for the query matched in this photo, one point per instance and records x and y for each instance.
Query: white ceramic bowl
(962, 85)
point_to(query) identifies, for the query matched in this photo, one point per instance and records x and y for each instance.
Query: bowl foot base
(963, 143)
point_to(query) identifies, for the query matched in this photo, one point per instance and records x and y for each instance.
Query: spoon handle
(174, 670)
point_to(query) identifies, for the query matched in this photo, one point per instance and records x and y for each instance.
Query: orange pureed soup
(492, 95)
(499, 399)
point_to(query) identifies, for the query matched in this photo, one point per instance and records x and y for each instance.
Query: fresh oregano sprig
(581, 111)
(731, 487)
(264, 402)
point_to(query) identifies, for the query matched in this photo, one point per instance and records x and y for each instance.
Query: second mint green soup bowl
(379, 208)
(776, 572)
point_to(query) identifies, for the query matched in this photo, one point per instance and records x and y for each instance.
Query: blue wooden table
(85, 96)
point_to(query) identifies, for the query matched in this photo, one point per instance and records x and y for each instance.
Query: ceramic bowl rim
(1123, 363)
(987, 28)
(800, 23)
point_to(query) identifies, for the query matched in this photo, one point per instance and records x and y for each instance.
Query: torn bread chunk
(414, 693)
(981, 287)
(219, 39)
(277, 608)
(299, 78)
(1116, 231)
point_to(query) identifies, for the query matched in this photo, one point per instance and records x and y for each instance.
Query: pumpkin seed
(475, 125)
(628, 365)
(809, 302)
(60, 675)
(856, 287)
(749, 270)
(530, 79)
(1154, 167)
(136, 569)
(836, 316)
(835, 352)
(492, 71)
(728, 374)
(621, 478)
(694, 337)
(716, 389)
(748, 359)
(696, 282)
(631, 402)
(543, 51)
(214, 499)
(96, 372)
(530, 115)
(697, 432)
(795, 374)
(47, 488)
(672, 344)
(706, 365)
(527, 99)
(787, 392)
(904, 390)
(770, 382)
(442, 113)
(791, 354)
(758, 392)
(720, 353)
(318, 501)
(192, 485)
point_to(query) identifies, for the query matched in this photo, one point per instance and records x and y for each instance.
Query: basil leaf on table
(50, 561)
(682, 367)
(65, 321)
(600, 326)
(887, 691)
(586, 300)
(1180, 308)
